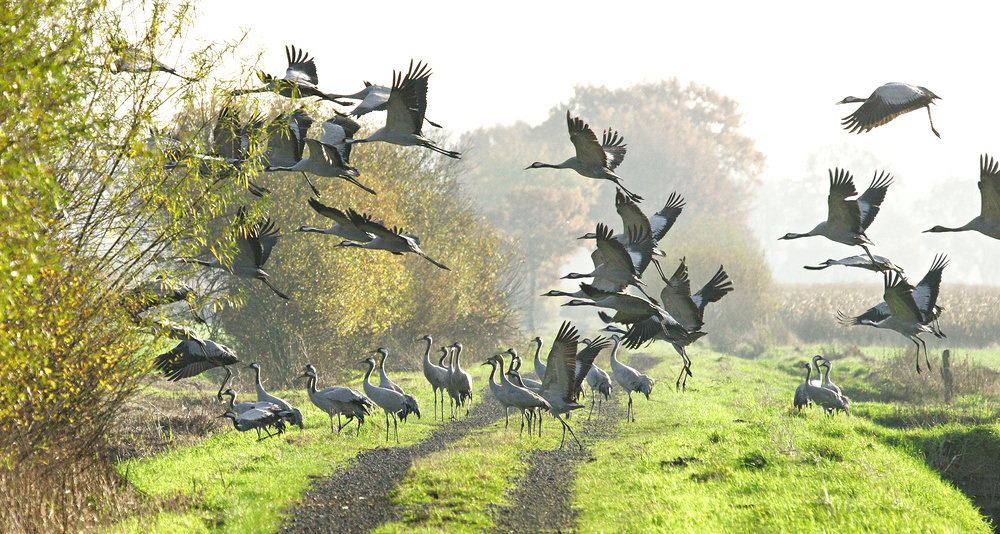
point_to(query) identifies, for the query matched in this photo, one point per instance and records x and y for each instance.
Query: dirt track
(353, 499)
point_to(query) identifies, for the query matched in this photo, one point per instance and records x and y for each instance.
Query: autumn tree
(683, 138)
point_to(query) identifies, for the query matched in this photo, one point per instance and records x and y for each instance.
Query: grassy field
(729, 455)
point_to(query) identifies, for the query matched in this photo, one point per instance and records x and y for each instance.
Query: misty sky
(786, 63)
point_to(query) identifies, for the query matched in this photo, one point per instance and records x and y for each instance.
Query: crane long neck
(614, 351)
(368, 373)
(458, 354)
(427, 353)
(503, 377)
(493, 372)
(311, 385)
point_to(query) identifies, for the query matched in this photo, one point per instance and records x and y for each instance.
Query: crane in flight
(886, 103)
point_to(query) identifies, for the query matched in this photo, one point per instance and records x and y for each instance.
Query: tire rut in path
(542, 499)
(355, 497)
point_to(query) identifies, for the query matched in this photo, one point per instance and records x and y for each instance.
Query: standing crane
(521, 397)
(459, 381)
(801, 398)
(514, 373)
(539, 365)
(593, 159)
(826, 377)
(337, 400)
(405, 112)
(847, 220)
(191, 357)
(886, 103)
(395, 241)
(599, 382)
(906, 309)
(628, 378)
(391, 402)
(300, 79)
(293, 415)
(254, 243)
(988, 220)
(383, 380)
(434, 374)
(244, 406)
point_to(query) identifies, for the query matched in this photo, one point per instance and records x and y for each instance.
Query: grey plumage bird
(861, 262)
(395, 240)
(405, 110)
(435, 374)
(290, 413)
(909, 310)
(988, 220)
(628, 378)
(459, 381)
(128, 58)
(847, 218)
(300, 79)
(520, 397)
(801, 398)
(593, 159)
(343, 227)
(338, 400)
(886, 103)
(539, 365)
(190, 358)
(685, 308)
(258, 419)
(391, 402)
(383, 379)
(374, 98)
(244, 406)
(254, 242)
(565, 370)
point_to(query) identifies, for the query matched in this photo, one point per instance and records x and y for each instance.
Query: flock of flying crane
(620, 260)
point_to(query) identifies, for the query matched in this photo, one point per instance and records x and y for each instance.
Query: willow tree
(88, 212)
(345, 302)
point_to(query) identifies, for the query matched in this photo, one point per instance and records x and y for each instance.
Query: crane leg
(308, 181)
(224, 381)
(593, 400)
(932, 122)
(395, 427)
(565, 428)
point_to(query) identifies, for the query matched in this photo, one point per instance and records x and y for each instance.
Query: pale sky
(786, 63)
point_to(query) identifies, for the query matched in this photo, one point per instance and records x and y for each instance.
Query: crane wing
(225, 138)
(585, 360)
(561, 364)
(631, 214)
(329, 212)
(675, 298)
(408, 99)
(588, 150)
(899, 297)
(714, 289)
(376, 98)
(989, 188)
(843, 213)
(301, 68)
(614, 148)
(871, 200)
(661, 221)
(925, 293)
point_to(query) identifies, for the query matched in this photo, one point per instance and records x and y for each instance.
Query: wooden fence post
(946, 375)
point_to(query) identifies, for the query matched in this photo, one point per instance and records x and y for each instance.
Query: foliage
(348, 301)
(87, 212)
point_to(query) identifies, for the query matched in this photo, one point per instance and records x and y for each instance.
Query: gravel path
(541, 500)
(354, 498)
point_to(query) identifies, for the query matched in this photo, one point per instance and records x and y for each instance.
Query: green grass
(730, 455)
(453, 490)
(231, 483)
(734, 457)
